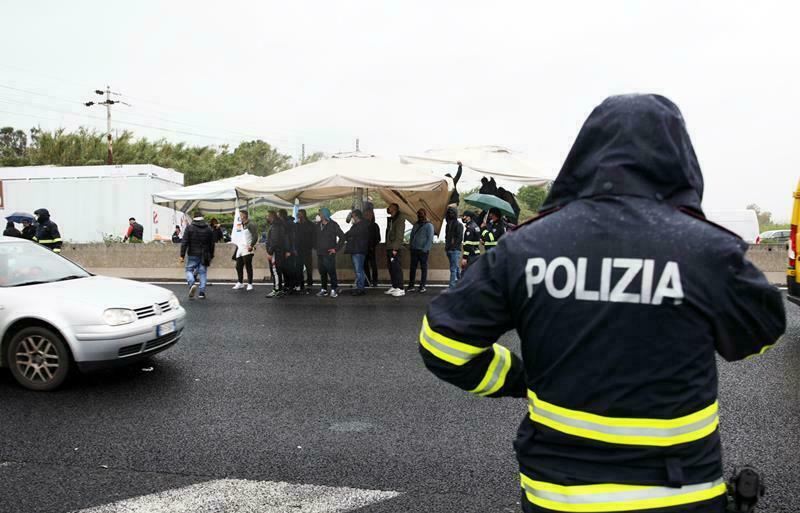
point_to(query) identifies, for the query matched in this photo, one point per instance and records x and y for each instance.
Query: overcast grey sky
(409, 75)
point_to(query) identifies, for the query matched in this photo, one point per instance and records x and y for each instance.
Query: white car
(55, 316)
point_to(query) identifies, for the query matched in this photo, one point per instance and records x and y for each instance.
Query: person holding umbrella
(11, 230)
(493, 229)
(26, 219)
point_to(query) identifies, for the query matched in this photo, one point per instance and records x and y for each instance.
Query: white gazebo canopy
(411, 187)
(217, 197)
(496, 162)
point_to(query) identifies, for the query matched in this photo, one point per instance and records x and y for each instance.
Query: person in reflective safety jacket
(621, 293)
(47, 233)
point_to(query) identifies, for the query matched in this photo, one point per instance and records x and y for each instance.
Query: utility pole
(107, 104)
(302, 153)
(357, 149)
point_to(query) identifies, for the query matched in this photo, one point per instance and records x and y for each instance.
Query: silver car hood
(104, 292)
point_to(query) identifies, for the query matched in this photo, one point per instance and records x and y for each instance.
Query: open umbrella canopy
(18, 217)
(487, 201)
(411, 187)
(217, 197)
(492, 161)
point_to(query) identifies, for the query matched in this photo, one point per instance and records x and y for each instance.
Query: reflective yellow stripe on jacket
(47, 241)
(447, 349)
(459, 353)
(616, 497)
(627, 431)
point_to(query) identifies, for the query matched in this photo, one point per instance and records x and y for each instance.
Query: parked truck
(93, 203)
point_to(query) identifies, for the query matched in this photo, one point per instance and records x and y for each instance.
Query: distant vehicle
(55, 316)
(743, 223)
(792, 280)
(774, 237)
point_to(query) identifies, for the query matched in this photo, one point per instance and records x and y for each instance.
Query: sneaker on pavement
(274, 293)
(201, 295)
(410, 289)
(239, 286)
(390, 291)
(249, 286)
(399, 293)
(422, 290)
(322, 293)
(192, 291)
(334, 293)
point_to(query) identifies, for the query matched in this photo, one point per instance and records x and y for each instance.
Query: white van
(744, 223)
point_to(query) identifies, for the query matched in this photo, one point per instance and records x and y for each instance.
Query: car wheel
(38, 358)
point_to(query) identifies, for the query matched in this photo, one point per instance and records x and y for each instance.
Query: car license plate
(165, 329)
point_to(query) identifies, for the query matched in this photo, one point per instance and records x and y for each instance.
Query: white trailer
(91, 202)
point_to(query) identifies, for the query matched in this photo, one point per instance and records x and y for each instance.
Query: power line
(292, 137)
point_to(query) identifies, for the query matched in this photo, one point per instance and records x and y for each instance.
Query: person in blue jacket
(420, 241)
(622, 294)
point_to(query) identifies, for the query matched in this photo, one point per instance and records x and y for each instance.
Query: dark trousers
(306, 260)
(327, 268)
(242, 263)
(278, 265)
(418, 258)
(298, 272)
(395, 270)
(290, 272)
(371, 267)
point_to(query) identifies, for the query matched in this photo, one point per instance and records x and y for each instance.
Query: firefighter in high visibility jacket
(621, 293)
(472, 239)
(47, 231)
(493, 229)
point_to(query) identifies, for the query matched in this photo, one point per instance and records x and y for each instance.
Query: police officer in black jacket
(621, 293)
(472, 239)
(47, 233)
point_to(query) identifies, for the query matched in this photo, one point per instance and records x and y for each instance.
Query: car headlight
(174, 304)
(119, 316)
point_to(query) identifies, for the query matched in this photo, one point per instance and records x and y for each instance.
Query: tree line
(87, 147)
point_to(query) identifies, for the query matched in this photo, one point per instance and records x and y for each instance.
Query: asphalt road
(324, 392)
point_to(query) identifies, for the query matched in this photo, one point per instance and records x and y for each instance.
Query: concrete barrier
(156, 261)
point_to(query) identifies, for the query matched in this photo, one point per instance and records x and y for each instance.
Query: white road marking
(245, 496)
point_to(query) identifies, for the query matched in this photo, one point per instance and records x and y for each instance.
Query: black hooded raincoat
(621, 293)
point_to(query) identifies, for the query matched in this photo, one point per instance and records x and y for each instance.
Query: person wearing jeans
(371, 262)
(330, 239)
(454, 235)
(197, 251)
(395, 231)
(421, 242)
(357, 242)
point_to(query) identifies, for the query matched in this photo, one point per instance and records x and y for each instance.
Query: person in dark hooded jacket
(619, 327)
(47, 233)
(11, 230)
(278, 251)
(197, 250)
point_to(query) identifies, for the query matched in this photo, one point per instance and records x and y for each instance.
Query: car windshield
(25, 263)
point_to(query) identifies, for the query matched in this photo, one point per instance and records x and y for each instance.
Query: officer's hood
(631, 145)
(42, 215)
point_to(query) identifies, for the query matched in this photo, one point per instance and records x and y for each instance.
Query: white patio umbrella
(341, 175)
(217, 197)
(492, 161)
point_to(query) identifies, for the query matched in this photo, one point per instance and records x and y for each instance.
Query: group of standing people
(43, 230)
(291, 244)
